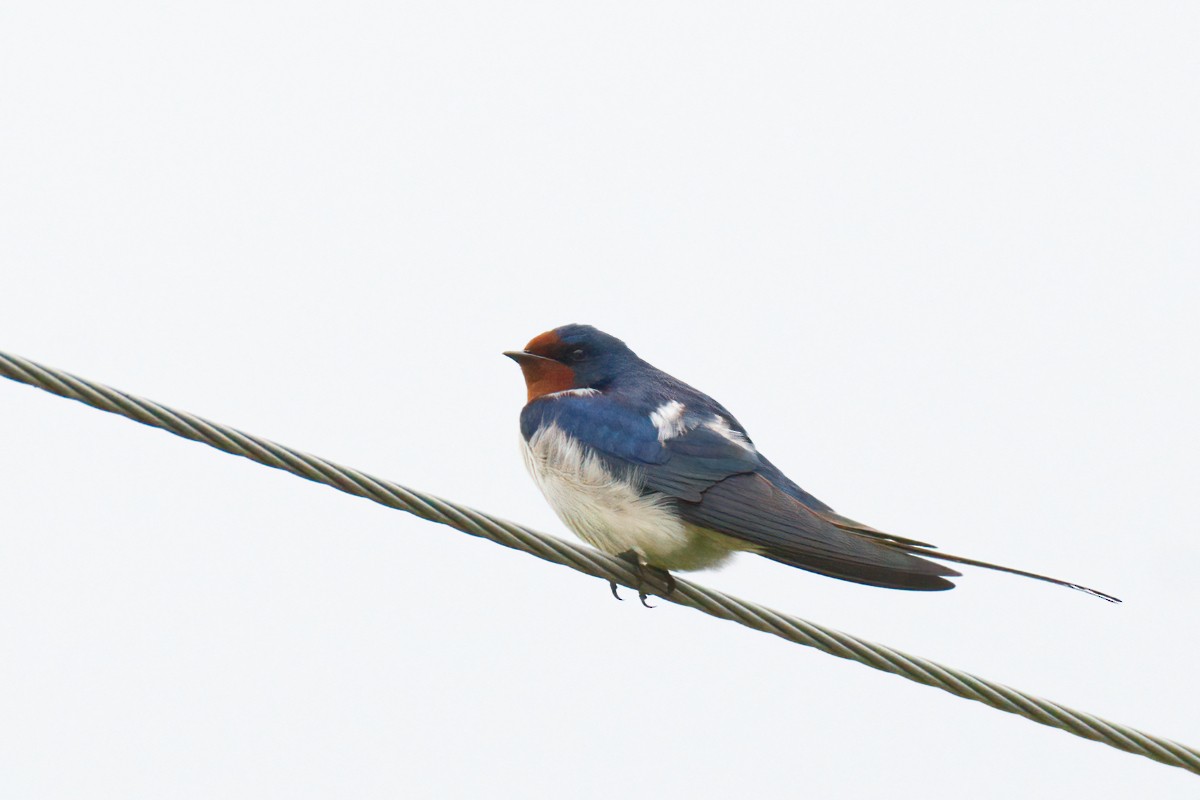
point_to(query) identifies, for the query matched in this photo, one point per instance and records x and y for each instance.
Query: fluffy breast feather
(610, 511)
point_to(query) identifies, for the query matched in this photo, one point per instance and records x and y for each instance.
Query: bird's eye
(577, 355)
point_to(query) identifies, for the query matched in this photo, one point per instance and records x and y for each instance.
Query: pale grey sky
(940, 259)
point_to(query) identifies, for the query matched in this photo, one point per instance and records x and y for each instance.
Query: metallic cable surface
(593, 562)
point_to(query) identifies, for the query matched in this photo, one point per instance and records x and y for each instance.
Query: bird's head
(571, 357)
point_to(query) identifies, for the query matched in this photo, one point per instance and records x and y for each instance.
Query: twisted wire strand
(597, 564)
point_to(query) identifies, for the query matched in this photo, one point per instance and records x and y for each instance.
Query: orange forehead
(543, 343)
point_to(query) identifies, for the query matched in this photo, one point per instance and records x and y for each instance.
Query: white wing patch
(721, 425)
(668, 419)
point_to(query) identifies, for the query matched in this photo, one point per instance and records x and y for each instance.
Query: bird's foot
(631, 557)
(668, 580)
(642, 571)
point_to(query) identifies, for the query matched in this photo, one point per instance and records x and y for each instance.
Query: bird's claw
(640, 570)
(669, 580)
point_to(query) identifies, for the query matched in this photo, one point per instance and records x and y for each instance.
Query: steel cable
(593, 562)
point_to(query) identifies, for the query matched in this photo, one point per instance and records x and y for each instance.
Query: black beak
(521, 357)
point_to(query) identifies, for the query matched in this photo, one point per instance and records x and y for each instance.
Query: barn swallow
(640, 465)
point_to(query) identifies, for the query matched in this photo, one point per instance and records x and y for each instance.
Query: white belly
(610, 513)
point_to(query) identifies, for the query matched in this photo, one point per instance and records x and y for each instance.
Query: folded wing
(721, 483)
(751, 508)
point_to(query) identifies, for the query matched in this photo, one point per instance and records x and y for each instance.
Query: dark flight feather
(750, 508)
(721, 485)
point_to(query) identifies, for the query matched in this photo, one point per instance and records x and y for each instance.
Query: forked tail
(939, 556)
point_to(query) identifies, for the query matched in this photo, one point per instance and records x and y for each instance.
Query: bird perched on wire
(643, 466)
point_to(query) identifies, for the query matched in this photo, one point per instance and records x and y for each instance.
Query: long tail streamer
(597, 564)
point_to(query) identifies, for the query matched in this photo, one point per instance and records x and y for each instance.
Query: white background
(941, 261)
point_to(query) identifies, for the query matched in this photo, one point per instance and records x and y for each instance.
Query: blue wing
(682, 467)
(720, 484)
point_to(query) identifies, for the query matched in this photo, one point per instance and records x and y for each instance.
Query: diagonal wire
(593, 562)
